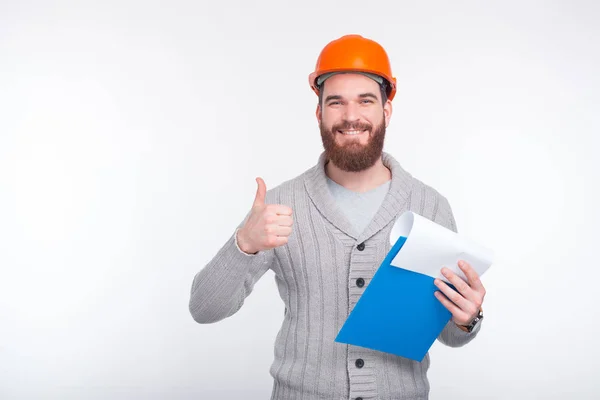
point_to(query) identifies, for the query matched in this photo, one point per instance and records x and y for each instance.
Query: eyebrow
(365, 95)
(332, 97)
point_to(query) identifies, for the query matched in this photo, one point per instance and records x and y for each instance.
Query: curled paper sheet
(430, 246)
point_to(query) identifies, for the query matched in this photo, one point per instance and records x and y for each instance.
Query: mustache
(346, 125)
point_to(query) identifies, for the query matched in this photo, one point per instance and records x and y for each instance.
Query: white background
(131, 134)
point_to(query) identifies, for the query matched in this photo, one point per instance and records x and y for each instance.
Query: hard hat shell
(353, 53)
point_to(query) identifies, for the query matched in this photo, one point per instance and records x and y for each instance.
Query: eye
(334, 103)
(366, 101)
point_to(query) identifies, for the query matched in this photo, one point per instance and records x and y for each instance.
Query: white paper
(429, 247)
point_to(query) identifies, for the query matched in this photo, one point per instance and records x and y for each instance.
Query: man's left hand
(466, 303)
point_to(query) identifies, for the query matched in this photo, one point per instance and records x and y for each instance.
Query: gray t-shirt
(359, 208)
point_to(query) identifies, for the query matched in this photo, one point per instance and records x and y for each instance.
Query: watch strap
(474, 322)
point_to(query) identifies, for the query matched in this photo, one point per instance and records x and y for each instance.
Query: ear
(318, 113)
(387, 112)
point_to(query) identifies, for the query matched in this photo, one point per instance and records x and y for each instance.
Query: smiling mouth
(351, 132)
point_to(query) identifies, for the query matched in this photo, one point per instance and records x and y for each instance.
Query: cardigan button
(361, 246)
(359, 363)
(360, 282)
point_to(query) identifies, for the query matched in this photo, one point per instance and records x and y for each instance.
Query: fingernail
(461, 263)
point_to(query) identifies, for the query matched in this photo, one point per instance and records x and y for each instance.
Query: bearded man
(325, 232)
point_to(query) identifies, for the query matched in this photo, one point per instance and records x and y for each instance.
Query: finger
(471, 275)
(456, 312)
(276, 241)
(261, 193)
(277, 230)
(452, 294)
(285, 220)
(460, 285)
(280, 209)
(283, 231)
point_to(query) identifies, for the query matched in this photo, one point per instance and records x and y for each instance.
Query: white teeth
(351, 132)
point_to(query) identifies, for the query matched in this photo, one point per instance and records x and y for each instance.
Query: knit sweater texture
(316, 274)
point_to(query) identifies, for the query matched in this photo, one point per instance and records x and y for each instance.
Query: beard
(353, 157)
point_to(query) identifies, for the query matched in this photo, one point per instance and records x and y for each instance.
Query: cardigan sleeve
(221, 286)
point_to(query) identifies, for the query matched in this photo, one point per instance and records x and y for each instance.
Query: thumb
(261, 193)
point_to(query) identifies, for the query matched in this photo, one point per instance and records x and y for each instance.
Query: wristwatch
(469, 328)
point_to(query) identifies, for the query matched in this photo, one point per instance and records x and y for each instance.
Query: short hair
(384, 89)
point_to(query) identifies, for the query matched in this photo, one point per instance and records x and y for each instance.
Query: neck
(361, 181)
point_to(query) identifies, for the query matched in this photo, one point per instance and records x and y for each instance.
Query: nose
(351, 112)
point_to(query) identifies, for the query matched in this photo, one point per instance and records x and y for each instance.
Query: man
(325, 233)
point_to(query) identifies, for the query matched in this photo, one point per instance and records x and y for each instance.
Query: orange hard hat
(354, 53)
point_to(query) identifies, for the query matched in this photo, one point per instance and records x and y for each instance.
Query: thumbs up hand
(268, 225)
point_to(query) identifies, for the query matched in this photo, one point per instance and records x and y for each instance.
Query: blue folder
(397, 313)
